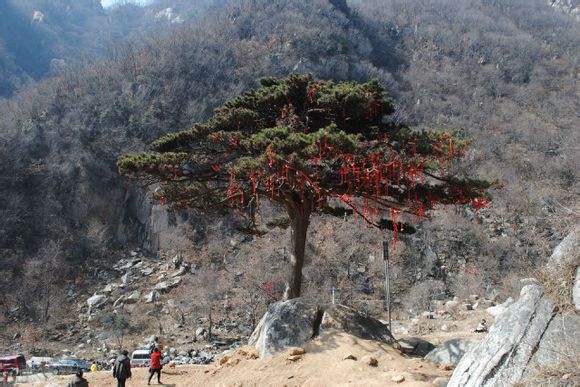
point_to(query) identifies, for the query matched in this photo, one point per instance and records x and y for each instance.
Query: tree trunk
(299, 221)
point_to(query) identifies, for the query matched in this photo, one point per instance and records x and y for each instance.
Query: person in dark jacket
(155, 366)
(79, 381)
(122, 368)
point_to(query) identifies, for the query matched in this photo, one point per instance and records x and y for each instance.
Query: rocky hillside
(507, 74)
(40, 38)
(570, 7)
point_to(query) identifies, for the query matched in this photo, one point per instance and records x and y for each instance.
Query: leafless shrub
(420, 297)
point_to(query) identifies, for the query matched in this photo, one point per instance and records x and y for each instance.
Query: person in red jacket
(155, 366)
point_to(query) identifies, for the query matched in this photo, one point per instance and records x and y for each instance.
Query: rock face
(450, 352)
(291, 323)
(502, 357)
(560, 344)
(495, 311)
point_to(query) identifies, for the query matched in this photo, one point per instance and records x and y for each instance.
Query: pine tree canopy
(312, 146)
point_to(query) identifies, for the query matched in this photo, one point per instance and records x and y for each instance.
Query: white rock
(451, 306)
(127, 278)
(401, 331)
(108, 289)
(166, 285)
(133, 297)
(96, 301)
(118, 301)
(151, 296)
(182, 270)
(147, 271)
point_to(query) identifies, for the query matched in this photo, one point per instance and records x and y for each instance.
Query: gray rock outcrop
(502, 357)
(450, 352)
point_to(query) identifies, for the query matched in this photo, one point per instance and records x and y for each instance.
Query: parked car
(140, 358)
(70, 366)
(12, 362)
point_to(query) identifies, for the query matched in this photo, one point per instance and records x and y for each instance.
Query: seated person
(482, 327)
(79, 381)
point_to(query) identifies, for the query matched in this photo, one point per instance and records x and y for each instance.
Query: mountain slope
(506, 71)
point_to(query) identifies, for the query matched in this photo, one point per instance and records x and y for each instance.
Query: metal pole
(333, 295)
(387, 281)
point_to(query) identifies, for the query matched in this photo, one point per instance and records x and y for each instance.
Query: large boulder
(286, 324)
(345, 319)
(415, 346)
(292, 323)
(450, 352)
(502, 357)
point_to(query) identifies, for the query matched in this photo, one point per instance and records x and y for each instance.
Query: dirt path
(322, 365)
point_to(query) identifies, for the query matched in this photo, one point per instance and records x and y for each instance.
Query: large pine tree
(309, 146)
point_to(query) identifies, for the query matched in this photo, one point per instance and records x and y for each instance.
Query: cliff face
(571, 7)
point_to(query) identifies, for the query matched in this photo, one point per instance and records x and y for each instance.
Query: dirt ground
(321, 365)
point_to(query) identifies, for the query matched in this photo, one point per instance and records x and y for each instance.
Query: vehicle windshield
(140, 356)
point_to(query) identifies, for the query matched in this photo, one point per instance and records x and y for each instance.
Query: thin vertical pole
(387, 280)
(333, 295)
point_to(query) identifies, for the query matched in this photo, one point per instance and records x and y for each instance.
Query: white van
(140, 358)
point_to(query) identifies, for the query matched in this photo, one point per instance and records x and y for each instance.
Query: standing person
(122, 368)
(79, 381)
(155, 366)
(94, 367)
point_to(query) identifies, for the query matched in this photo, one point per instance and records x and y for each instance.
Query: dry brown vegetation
(506, 71)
